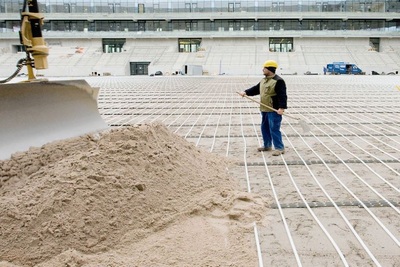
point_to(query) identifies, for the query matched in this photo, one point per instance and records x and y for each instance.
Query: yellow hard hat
(270, 63)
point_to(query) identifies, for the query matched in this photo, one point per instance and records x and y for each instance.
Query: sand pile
(136, 196)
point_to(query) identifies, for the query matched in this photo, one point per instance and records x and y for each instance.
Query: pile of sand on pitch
(85, 194)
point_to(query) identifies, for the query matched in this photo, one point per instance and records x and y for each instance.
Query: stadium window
(392, 6)
(141, 26)
(188, 45)
(156, 8)
(234, 6)
(281, 44)
(231, 7)
(113, 45)
(190, 7)
(374, 44)
(114, 7)
(324, 7)
(70, 7)
(277, 6)
(318, 7)
(194, 7)
(18, 48)
(190, 26)
(139, 68)
(141, 8)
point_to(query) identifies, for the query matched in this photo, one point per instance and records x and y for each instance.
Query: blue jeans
(271, 129)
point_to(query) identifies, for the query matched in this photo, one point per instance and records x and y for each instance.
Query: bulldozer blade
(36, 113)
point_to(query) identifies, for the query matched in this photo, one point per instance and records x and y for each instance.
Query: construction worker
(272, 91)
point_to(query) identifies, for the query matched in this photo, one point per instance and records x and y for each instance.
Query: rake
(306, 128)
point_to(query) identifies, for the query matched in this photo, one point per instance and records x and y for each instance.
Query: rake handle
(268, 107)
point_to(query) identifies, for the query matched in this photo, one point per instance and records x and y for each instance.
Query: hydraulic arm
(31, 37)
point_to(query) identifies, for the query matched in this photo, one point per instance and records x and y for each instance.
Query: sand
(133, 196)
(142, 196)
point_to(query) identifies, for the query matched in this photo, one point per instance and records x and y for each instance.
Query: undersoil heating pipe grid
(333, 185)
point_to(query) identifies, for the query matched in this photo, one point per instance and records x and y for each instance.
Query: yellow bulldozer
(37, 111)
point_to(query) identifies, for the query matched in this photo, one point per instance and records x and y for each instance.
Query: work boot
(278, 152)
(264, 148)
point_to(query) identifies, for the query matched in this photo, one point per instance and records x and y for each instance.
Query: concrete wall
(235, 56)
